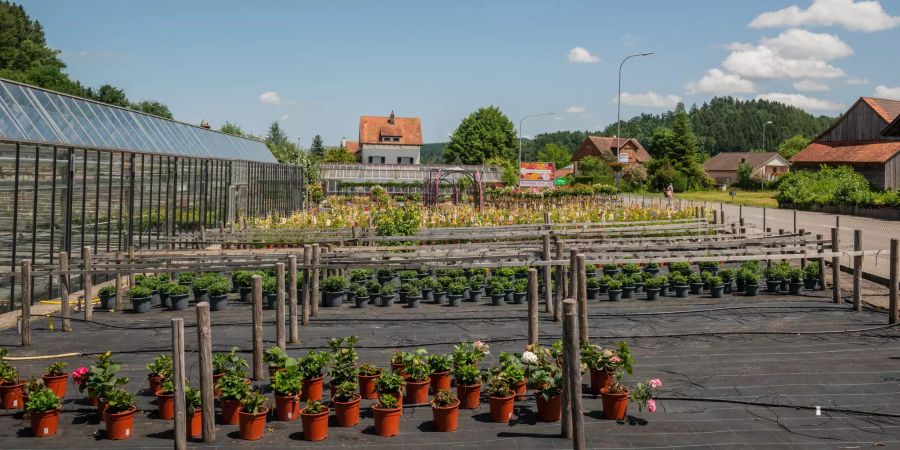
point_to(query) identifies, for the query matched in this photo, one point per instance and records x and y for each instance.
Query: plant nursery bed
(737, 372)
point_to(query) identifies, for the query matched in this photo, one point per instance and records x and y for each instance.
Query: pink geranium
(655, 383)
(615, 360)
(79, 375)
(651, 405)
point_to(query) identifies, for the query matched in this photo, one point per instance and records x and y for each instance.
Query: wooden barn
(865, 138)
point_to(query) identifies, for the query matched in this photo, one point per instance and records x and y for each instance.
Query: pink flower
(615, 359)
(655, 383)
(651, 405)
(79, 374)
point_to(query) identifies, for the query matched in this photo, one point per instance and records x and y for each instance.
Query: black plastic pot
(383, 280)
(751, 290)
(740, 284)
(810, 283)
(439, 297)
(593, 293)
(141, 304)
(509, 296)
(681, 291)
(610, 271)
(638, 288)
(602, 288)
(179, 302)
(614, 294)
(108, 302)
(652, 293)
(772, 286)
(413, 302)
(716, 291)
(269, 301)
(454, 299)
(362, 302)
(427, 295)
(796, 287)
(201, 295)
(627, 291)
(727, 287)
(333, 299)
(387, 300)
(475, 295)
(498, 299)
(696, 287)
(218, 302)
(246, 292)
(651, 270)
(519, 297)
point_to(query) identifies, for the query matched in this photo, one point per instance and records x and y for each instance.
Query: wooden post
(715, 217)
(120, 288)
(795, 221)
(314, 286)
(821, 249)
(561, 286)
(204, 346)
(893, 313)
(87, 280)
(857, 271)
(573, 274)
(26, 303)
(256, 282)
(279, 305)
(836, 267)
(743, 228)
(572, 360)
(566, 399)
(764, 218)
(307, 285)
(582, 301)
(292, 297)
(65, 311)
(178, 371)
(548, 270)
(532, 306)
(130, 262)
(802, 234)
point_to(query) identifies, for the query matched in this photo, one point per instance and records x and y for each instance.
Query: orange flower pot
(92, 399)
(230, 409)
(101, 409)
(312, 389)
(273, 370)
(469, 395)
(367, 386)
(195, 424)
(11, 395)
(44, 423)
(154, 381)
(56, 383)
(387, 421)
(315, 426)
(165, 403)
(417, 392)
(501, 408)
(252, 426)
(440, 381)
(446, 419)
(549, 410)
(346, 414)
(520, 389)
(614, 405)
(600, 379)
(287, 407)
(119, 425)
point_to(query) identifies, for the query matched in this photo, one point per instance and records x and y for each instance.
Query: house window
(405, 160)
(390, 139)
(376, 160)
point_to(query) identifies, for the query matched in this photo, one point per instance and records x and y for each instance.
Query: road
(876, 234)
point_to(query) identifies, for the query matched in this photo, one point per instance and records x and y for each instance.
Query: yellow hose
(31, 358)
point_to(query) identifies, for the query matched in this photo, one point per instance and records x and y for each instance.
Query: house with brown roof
(766, 166)
(863, 138)
(390, 140)
(604, 147)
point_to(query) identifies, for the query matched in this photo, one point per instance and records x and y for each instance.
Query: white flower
(529, 358)
(607, 353)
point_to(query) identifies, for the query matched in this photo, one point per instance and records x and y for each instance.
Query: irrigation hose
(777, 405)
(39, 357)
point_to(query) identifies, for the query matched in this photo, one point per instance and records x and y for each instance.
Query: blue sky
(318, 66)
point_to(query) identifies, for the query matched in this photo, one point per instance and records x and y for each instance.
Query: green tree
(509, 174)
(153, 107)
(338, 155)
(792, 145)
(745, 178)
(592, 170)
(232, 128)
(484, 134)
(281, 147)
(559, 156)
(317, 148)
(109, 94)
(678, 147)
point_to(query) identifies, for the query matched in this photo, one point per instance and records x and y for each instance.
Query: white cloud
(801, 44)
(270, 98)
(850, 14)
(883, 91)
(718, 82)
(576, 109)
(580, 55)
(810, 85)
(283, 118)
(650, 99)
(857, 81)
(765, 62)
(801, 101)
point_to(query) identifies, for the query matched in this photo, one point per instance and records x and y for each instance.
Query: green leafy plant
(275, 357)
(161, 366)
(498, 285)
(387, 289)
(149, 282)
(593, 283)
(42, 400)
(716, 281)
(107, 291)
(233, 387)
(118, 401)
(244, 278)
(796, 275)
(476, 282)
(614, 285)
(440, 363)
(312, 365)
(178, 289)
(498, 385)
(344, 354)
(335, 283)
(192, 400)
(359, 291)
(416, 365)
(388, 401)
(56, 369)
(369, 370)
(229, 363)
(520, 286)
(140, 292)
(360, 275)
(315, 407)
(456, 288)
(695, 278)
(727, 275)
(466, 353)
(444, 398)
(389, 382)
(466, 374)
(656, 282)
(811, 270)
(682, 268)
(287, 382)
(219, 288)
(345, 391)
(33, 384)
(254, 403)
(373, 286)
(269, 285)
(186, 277)
(678, 279)
(548, 380)
(631, 268)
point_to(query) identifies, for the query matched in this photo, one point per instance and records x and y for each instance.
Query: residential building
(390, 140)
(766, 166)
(604, 147)
(866, 138)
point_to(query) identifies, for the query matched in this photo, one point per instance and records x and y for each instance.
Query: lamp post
(764, 134)
(619, 111)
(520, 132)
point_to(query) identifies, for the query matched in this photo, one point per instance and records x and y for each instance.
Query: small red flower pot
(56, 383)
(599, 380)
(230, 409)
(119, 425)
(346, 414)
(195, 424)
(287, 407)
(614, 405)
(417, 392)
(520, 389)
(252, 426)
(387, 421)
(165, 403)
(312, 389)
(549, 410)
(469, 395)
(446, 419)
(367, 386)
(154, 381)
(315, 426)
(11, 395)
(44, 423)
(440, 381)
(216, 391)
(501, 408)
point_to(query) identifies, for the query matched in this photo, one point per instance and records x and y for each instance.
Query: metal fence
(60, 198)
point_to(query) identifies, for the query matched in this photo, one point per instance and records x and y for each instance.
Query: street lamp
(619, 110)
(520, 132)
(764, 134)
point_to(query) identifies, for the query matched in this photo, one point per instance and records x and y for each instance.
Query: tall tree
(232, 128)
(556, 154)
(678, 148)
(338, 155)
(484, 134)
(110, 94)
(281, 147)
(792, 145)
(317, 148)
(153, 107)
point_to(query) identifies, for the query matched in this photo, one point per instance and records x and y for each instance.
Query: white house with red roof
(388, 140)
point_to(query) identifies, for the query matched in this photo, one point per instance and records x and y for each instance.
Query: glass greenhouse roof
(34, 114)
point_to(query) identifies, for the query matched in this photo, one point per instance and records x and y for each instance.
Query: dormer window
(390, 138)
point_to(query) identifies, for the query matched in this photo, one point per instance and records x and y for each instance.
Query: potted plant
(407, 275)
(387, 292)
(631, 268)
(269, 291)
(385, 276)
(468, 385)
(102, 379)
(417, 370)
(683, 268)
(512, 369)
(440, 371)
(344, 356)
(476, 288)
(811, 275)
(119, 414)
(603, 284)
(497, 289)
(178, 297)
(653, 286)
(796, 277)
(192, 399)
(615, 398)
(773, 279)
(603, 363)
(227, 363)
(165, 399)
(107, 296)
(186, 278)
(315, 421)
(218, 295)
(387, 415)
(390, 383)
(367, 376)
(445, 411)
(232, 389)
(33, 384)
(413, 294)
(520, 290)
(751, 283)
(311, 367)
(397, 358)
(500, 397)
(440, 289)
(652, 268)
(286, 386)
(590, 270)
(346, 404)
(695, 282)
(243, 279)
(56, 378)
(374, 289)
(593, 288)
(783, 269)
(252, 422)
(727, 276)
(627, 285)
(43, 410)
(455, 292)
(610, 270)
(275, 359)
(614, 290)
(709, 266)
(680, 282)
(334, 288)
(545, 374)
(360, 295)
(428, 285)
(140, 298)
(716, 286)
(201, 283)
(159, 368)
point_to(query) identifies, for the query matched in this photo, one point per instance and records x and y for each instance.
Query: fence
(60, 198)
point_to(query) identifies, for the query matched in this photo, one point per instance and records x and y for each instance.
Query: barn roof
(727, 161)
(848, 152)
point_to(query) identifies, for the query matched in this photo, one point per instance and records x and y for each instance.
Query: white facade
(389, 154)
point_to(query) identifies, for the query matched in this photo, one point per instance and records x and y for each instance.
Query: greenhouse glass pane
(87, 120)
(70, 134)
(160, 141)
(103, 125)
(8, 126)
(20, 115)
(69, 118)
(34, 113)
(131, 129)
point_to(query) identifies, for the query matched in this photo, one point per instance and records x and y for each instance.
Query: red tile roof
(887, 109)
(729, 161)
(848, 152)
(607, 148)
(408, 129)
(893, 129)
(351, 146)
